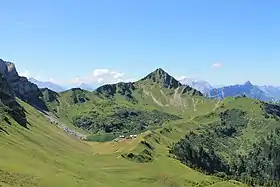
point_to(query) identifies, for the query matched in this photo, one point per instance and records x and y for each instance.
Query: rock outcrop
(159, 76)
(8, 103)
(22, 88)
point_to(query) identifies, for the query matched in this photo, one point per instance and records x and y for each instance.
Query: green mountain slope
(174, 126)
(43, 155)
(129, 107)
(241, 142)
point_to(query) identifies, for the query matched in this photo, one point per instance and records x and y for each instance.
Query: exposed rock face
(22, 88)
(159, 76)
(9, 104)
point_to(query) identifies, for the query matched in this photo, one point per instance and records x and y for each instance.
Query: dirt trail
(55, 120)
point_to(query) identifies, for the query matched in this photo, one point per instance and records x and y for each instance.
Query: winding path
(59, 124)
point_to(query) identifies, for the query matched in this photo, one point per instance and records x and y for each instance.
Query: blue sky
(99, 41)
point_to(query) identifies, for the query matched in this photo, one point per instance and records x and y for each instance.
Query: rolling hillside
(174, 126)
(124, 108)
(40, 154)
(249, 128)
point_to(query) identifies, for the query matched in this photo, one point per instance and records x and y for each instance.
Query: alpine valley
(153, 132)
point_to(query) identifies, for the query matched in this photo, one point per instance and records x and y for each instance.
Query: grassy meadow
(44, 156)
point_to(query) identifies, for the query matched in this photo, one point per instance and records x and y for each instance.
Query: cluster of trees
(49, 95)
(262, 164)
(124, 89)
(122, 120)
(271, 109)
(77, 95)
(212, 149)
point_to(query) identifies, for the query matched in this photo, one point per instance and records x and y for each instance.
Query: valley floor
(45, 155)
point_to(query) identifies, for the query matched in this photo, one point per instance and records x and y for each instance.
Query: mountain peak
(161, 77)
(47, 84)
(160, 71)
(248, 83)
(200, 85)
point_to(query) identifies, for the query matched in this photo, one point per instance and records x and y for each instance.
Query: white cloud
(24, 73)
(100, 80)
(100, 72)
(97, 76)
(100, 76)
(118, 75)
(217, 65)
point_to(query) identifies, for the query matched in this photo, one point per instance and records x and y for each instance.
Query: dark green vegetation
(49, 96)
(240, 143)
(122, 120)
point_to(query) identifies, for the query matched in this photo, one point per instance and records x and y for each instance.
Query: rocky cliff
(9, 105)
(22, 88)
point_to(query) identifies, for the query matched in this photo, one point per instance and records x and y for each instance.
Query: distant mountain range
(247, 89)
(265, 92)
(47, 84)
(56, 87)
(200, 85)
(272, 91)
(85, 86)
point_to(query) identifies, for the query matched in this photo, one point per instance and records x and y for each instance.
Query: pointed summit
(159, 76)
(248, 83)
(160, 71)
